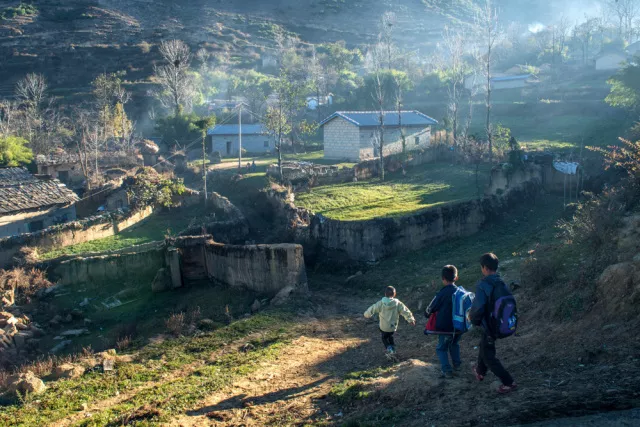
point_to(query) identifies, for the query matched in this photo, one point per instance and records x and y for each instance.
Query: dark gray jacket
(488, 290)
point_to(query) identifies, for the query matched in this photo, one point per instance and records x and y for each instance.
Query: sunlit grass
(422, 188)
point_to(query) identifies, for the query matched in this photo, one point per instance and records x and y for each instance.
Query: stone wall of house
(250, 143)
(393, 141)
(341, 140)
(70, 234)
(12, 225)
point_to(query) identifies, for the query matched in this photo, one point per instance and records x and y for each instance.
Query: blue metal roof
(370, 118)
(509, 78)
(248, 129)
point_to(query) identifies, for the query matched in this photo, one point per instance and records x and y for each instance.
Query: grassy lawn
(154, 228)
(423, 187)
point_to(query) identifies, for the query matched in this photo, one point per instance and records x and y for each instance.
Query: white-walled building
(353, 135)
(226, 139)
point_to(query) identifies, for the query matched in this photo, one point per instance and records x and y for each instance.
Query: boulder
(282, 296)
(68, 371)
(255, 307)
(162, 281)
(21, 338)
(26, 383)
(60, 346)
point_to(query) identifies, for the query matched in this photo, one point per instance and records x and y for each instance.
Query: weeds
(176, 324)
(20, 285)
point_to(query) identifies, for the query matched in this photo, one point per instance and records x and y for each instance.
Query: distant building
(352, 135)
(633, 49)
(255, 139)
(498, 82)
(312, 101)
(29, 203)
(610, 61)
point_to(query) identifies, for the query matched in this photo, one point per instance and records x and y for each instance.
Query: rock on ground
(25, 383)
(68, 370)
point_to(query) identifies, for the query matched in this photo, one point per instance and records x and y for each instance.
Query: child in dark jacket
(442, 307)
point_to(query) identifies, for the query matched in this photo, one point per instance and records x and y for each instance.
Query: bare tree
(32, 90)
(177, 85)
(387, 24)
(378, 96)
(399, 103)
(454, 68)
(625, 12)
(488, 33)
(8, 118)
(277, 123)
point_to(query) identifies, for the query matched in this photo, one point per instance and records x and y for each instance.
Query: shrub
(594, 220)
(176, 323)
(20, 285)
(539, 270)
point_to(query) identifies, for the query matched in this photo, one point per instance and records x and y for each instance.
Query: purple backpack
(504, 317)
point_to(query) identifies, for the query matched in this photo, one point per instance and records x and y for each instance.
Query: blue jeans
(448, 344)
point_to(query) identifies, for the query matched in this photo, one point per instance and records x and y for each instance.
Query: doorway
(228, 147)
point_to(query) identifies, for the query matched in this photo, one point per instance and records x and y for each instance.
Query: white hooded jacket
(389, 311)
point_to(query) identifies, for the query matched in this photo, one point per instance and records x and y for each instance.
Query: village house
(30, 203)
(313, 103)
(225, 139)
(67, 168)
(352, 135)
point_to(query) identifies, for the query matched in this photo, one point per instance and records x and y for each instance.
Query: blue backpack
(462, 302)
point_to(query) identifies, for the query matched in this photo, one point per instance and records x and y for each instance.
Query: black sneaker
(447, 375)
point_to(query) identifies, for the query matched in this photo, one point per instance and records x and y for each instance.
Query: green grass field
(152, 229)
(423, 187)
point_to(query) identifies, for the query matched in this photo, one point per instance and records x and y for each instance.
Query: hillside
(72, 41)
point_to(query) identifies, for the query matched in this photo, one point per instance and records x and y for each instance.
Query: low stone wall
(260, 268)
(70, 234)
(504, 179)
(105, 268)
(188, 261)
(233, 229)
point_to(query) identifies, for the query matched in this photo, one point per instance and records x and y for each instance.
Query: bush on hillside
(148, 188)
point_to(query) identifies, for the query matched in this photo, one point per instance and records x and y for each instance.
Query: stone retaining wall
(70, 234)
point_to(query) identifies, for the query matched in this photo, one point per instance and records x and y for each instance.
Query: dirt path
(288, 389)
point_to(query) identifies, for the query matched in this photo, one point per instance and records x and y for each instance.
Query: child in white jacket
(389, 310)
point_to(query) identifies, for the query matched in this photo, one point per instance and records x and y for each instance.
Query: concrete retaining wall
(373, 240)
(69, 234)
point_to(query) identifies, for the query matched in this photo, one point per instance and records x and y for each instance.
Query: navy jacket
(488, 290)
(442, 304)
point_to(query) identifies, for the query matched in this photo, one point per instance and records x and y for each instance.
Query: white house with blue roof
(352, 135)
(226, 139)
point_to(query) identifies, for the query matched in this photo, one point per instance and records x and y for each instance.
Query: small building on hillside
(30, 203)
(313, 102)
(67, 168)
(225, 139)
(498, 82)
(634, 48)
(610, 61)
(353, 135)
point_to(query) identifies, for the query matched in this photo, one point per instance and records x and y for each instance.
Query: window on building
(417, 140)
(266, 144)
(36, 226)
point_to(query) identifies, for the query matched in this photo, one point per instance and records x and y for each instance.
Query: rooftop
(370, 118)
(248, 129)
(20, 191)
(119, 158)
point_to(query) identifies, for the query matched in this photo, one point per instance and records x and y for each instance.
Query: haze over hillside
(72, 41)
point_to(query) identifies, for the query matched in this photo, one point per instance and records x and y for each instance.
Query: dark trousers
(487, 360)
(387, 339)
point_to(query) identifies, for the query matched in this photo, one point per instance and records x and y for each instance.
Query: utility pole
(240, 138)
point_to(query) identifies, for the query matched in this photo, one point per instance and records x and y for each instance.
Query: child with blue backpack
(440, 313)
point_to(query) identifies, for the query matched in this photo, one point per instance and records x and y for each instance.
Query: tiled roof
(105, 159)
(248, 129)
(21, 191)
(11, 176)
(370, 118)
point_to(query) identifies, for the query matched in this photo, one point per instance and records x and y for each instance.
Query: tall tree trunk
(488, 121)
(204, 167)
